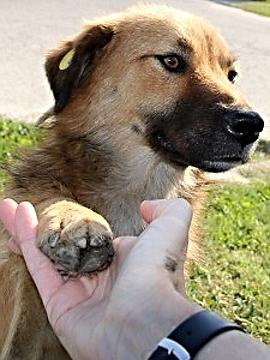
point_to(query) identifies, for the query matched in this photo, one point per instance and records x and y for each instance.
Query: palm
(70, 296)
(76, 307)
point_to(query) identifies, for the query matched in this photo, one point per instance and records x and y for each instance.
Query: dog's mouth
(215, 165)
(210, 163)
(219, 165)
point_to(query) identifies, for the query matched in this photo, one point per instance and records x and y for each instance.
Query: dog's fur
(124, 130)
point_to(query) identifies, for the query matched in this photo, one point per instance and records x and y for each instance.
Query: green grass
(258, 7)
(235, 277)
(12, 136)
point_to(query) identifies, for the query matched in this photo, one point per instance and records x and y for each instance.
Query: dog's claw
(82, 243)
(97, 241)
(53, 239)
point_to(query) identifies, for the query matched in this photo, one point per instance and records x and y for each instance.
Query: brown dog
(140, 97)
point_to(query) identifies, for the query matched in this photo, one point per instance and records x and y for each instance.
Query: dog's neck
(131, 176)
(141, 177)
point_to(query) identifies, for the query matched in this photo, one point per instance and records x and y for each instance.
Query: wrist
(137, 335)
(183, 309)
(218, 344)
(174, 312)
(234, 345)
(180, 312)
(192, 335)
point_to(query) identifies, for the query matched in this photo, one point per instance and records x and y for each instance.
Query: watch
(191, 335)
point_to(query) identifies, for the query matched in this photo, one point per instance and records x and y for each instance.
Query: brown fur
(95, 154)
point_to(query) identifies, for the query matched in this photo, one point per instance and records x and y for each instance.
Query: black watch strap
(194, 333)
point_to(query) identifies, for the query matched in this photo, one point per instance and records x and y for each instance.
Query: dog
(145, 106)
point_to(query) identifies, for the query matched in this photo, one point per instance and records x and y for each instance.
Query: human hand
(124, 311)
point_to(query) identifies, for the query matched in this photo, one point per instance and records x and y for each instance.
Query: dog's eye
(172, 63)
(232, 75)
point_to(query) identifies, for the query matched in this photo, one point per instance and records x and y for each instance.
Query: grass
(12, 136)
(258, 7)
(235, 277)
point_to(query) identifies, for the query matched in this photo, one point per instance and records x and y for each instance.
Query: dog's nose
(244, 125)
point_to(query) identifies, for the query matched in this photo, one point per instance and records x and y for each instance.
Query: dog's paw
(75, 238)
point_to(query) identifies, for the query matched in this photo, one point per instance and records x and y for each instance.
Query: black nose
(245, 126)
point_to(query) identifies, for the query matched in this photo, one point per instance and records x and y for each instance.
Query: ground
(28, 28)
(234, 277)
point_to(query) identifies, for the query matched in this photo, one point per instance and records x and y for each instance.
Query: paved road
(29, 27)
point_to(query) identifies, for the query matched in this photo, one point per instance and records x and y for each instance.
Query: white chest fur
(144, 179)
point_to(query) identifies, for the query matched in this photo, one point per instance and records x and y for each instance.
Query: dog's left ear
(68, 66)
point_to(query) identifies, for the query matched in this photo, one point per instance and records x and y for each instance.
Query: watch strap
(194, 333)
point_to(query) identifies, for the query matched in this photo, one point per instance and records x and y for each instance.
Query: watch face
(174, 348)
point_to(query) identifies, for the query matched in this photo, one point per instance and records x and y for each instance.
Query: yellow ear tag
(66, 60)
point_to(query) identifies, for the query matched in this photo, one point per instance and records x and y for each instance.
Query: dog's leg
(24, 329)
(76, 239)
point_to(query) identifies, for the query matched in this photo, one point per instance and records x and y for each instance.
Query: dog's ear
(69, 65)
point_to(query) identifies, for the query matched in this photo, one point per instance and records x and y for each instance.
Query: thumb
(152, 209)
(167, 234)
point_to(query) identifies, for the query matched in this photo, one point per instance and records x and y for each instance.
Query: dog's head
(164, 79)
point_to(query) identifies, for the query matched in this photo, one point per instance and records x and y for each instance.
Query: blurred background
(28, 28)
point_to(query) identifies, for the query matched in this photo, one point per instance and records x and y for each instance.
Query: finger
(148, 208)
(166, 237)
(151, 209)
(40, 267)
(12, 245)
(7, 214)
(123, 245)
